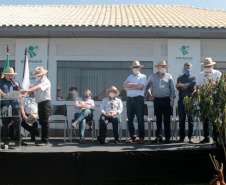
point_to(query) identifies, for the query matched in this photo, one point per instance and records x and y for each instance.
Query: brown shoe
(141, 141)
(191, 141)
(131, 140)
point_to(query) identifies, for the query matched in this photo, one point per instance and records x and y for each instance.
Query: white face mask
(135, 70)
(38, 78)
(112, 95)
(208, 70)
(163, 70)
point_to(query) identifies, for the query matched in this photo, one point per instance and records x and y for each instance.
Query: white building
(92, 47)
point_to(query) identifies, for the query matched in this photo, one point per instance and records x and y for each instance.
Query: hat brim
(9, 73)
(117, 92)
(161, 65)
(208, 64)
(35, 74)
(141, 66)
(32, 118)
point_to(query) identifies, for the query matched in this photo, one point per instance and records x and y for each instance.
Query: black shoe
(158, 140)
(101, 140)
(205, 140)
(116, 141)
(167, 141)
(82, 141)
(33, 139)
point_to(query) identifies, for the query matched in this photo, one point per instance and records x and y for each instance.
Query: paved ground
(58, 145)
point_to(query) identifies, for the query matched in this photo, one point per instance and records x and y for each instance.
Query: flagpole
(6, 62)
(26, 74)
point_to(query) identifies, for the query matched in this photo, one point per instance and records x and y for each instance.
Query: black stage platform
(92, 163)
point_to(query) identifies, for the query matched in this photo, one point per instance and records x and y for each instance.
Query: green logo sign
(32, 50)
(184, 49)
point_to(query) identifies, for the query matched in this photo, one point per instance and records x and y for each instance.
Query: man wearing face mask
(162, 94)
(186, 86)
(135, 85)
(42, 97)
(111, 109)
(208, 72)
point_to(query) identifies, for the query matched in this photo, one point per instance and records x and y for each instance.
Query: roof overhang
(111, 32)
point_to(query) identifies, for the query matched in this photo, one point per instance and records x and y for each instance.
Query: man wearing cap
(162, 94)
(208, 72)
(135, 85)
(186, 86)
(111, 109)
(7, 84)
(42, 97)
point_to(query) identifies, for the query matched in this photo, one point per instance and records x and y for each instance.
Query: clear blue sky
(211, 4)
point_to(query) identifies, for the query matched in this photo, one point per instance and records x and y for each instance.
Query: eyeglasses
(112, 106)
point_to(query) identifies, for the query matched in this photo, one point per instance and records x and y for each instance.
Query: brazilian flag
(6, 62)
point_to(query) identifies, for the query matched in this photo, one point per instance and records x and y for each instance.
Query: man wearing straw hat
(41, 90)
(7, 84)
(135, 85)
(208, 72)
(163, 95)
(111, 109)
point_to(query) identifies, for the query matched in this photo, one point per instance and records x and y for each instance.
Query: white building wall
(104, 49)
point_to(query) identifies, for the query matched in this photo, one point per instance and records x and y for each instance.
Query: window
(221, 66)
(95, 76)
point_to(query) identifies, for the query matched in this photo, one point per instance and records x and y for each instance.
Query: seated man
(30, 115)
(111, 109)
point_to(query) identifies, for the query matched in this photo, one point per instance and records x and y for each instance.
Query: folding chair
(60, 110)
(146, 120)
(196, 120)
(92, 122)
(119, 129)
(151, 124)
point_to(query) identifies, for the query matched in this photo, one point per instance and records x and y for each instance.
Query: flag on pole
(6, 62)
(26, 79)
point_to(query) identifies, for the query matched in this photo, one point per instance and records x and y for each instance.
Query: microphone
(13, 81)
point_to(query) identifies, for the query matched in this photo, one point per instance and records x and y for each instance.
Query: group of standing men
(160, 88)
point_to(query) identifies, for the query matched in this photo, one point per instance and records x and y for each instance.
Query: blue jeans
(206, 130)
(81, 118)
(162, 107)
(135, 107)
(104, 122)
(182, 118)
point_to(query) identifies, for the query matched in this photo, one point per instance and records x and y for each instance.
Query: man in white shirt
(30, 107)
(42, 96)
(208, 72)
(135, 85)
(111, 109)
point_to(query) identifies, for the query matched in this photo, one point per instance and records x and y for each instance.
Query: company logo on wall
(32, 50)
(184, 49)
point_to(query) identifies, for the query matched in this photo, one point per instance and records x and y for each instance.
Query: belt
(162, 97)
(135, 97)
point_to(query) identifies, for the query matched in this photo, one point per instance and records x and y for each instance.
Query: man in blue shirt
(135, 85)
(186, 86)
(7, 84)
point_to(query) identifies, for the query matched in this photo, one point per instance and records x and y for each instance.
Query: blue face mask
(85, 96)
(187, 71)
